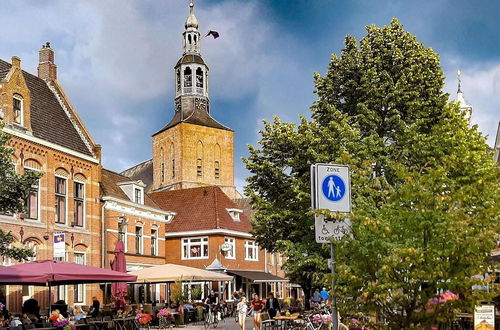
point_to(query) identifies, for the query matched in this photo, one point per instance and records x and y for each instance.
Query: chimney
(47, 70)
(16, 62)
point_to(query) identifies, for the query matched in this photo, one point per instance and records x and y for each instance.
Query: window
(139, 240)
(18, 110)
(251, 251)
(199, 167)
(122, 233)
(188, 78)
(195, 248)
(235, 214)
(217, 169)
(32, 200)
(178, 79)
(154, 242)
(162, 171)
(138, 195)
(79, 289)
(173, 168)
(60, 200)
(79, 197)
(230, 253)
(199, 78)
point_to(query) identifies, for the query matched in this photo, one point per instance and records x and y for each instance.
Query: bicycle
(212, 317)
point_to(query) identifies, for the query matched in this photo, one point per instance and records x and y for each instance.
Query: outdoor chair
(266, 322)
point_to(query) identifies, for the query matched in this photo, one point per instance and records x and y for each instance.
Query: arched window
(172, 156)
(162, 166)
(188, 77)
(199, 78)
(217, 161)
(199, 160)
(178, 79)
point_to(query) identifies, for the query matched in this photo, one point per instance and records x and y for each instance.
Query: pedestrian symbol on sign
(333, 188)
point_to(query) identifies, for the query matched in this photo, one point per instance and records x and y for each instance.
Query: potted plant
(143, 320)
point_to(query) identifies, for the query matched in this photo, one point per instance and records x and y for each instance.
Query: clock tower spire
(193, 149)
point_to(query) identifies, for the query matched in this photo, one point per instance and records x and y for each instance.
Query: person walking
(324, 295)
(272, 305)
(242, 309)
(257, 305)
(317, 297)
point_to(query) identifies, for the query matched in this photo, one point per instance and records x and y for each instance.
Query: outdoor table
(284, 321)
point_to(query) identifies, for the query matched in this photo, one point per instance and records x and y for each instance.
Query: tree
(424, 186)
(14, 190)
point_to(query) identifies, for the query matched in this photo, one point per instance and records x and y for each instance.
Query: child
(242, 312)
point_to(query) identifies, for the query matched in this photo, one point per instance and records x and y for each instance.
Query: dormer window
(235, 214)
(18, 110)
(138, 196)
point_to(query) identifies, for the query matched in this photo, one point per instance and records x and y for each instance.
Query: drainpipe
(265, 260)
(103, 235)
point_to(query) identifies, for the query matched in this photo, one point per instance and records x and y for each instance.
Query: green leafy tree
(14, 189)
(424, 186)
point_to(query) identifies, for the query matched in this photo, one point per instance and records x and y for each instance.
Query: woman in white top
(242, 309)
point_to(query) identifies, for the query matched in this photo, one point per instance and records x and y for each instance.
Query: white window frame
(74, 201)
(186, 242)
(235, 214)
(39, 197)
(141, 193)
(82, 287)
(66, 200)
(251, 244)
(141, 241)
(231, 241)
(22, 110)
(125, 234)
(155, 245)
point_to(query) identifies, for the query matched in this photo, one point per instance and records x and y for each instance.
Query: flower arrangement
(60, 322)
(164, 312)
(143, 319)
(321, 318)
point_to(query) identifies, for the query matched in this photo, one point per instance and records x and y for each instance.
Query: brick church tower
(193, 149)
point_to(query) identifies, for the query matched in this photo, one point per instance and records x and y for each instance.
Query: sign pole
(335, 321)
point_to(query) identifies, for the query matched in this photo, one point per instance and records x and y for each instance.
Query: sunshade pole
(49, 300)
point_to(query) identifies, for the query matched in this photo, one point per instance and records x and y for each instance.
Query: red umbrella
(10, 275)
(119, 290)
(60, 273)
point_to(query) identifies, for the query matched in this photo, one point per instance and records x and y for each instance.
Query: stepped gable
(201, 208)
(110, 187)
(48, 119)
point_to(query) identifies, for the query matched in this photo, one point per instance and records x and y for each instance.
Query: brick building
(49, 137)
(131, 216)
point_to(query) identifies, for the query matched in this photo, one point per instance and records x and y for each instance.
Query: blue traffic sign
(333, 188)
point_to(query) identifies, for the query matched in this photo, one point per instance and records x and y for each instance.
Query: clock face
(200, 104)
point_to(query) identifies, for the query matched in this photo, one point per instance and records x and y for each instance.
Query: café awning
(258, 276)
(173, 272)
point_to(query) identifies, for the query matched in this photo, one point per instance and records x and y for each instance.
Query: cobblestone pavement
(227, 324)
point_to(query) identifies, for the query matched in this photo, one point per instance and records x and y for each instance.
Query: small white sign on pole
(327, 229)
(484, 317)
(332, 188)
(59, 245)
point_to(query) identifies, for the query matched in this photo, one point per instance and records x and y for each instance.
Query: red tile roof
(201, 208)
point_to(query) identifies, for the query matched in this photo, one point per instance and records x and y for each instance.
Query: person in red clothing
(257, 307)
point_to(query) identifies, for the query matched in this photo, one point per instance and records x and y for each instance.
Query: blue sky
(115, 58)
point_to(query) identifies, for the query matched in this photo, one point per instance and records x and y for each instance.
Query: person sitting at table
(94, 309)
(3, 322)
(272, 305)
(15, 321)
(78, 313)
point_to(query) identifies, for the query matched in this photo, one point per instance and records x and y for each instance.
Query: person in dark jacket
(94, 309)
(272, 305)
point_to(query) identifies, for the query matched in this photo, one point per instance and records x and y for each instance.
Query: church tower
(193, 149)
(461, 99)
